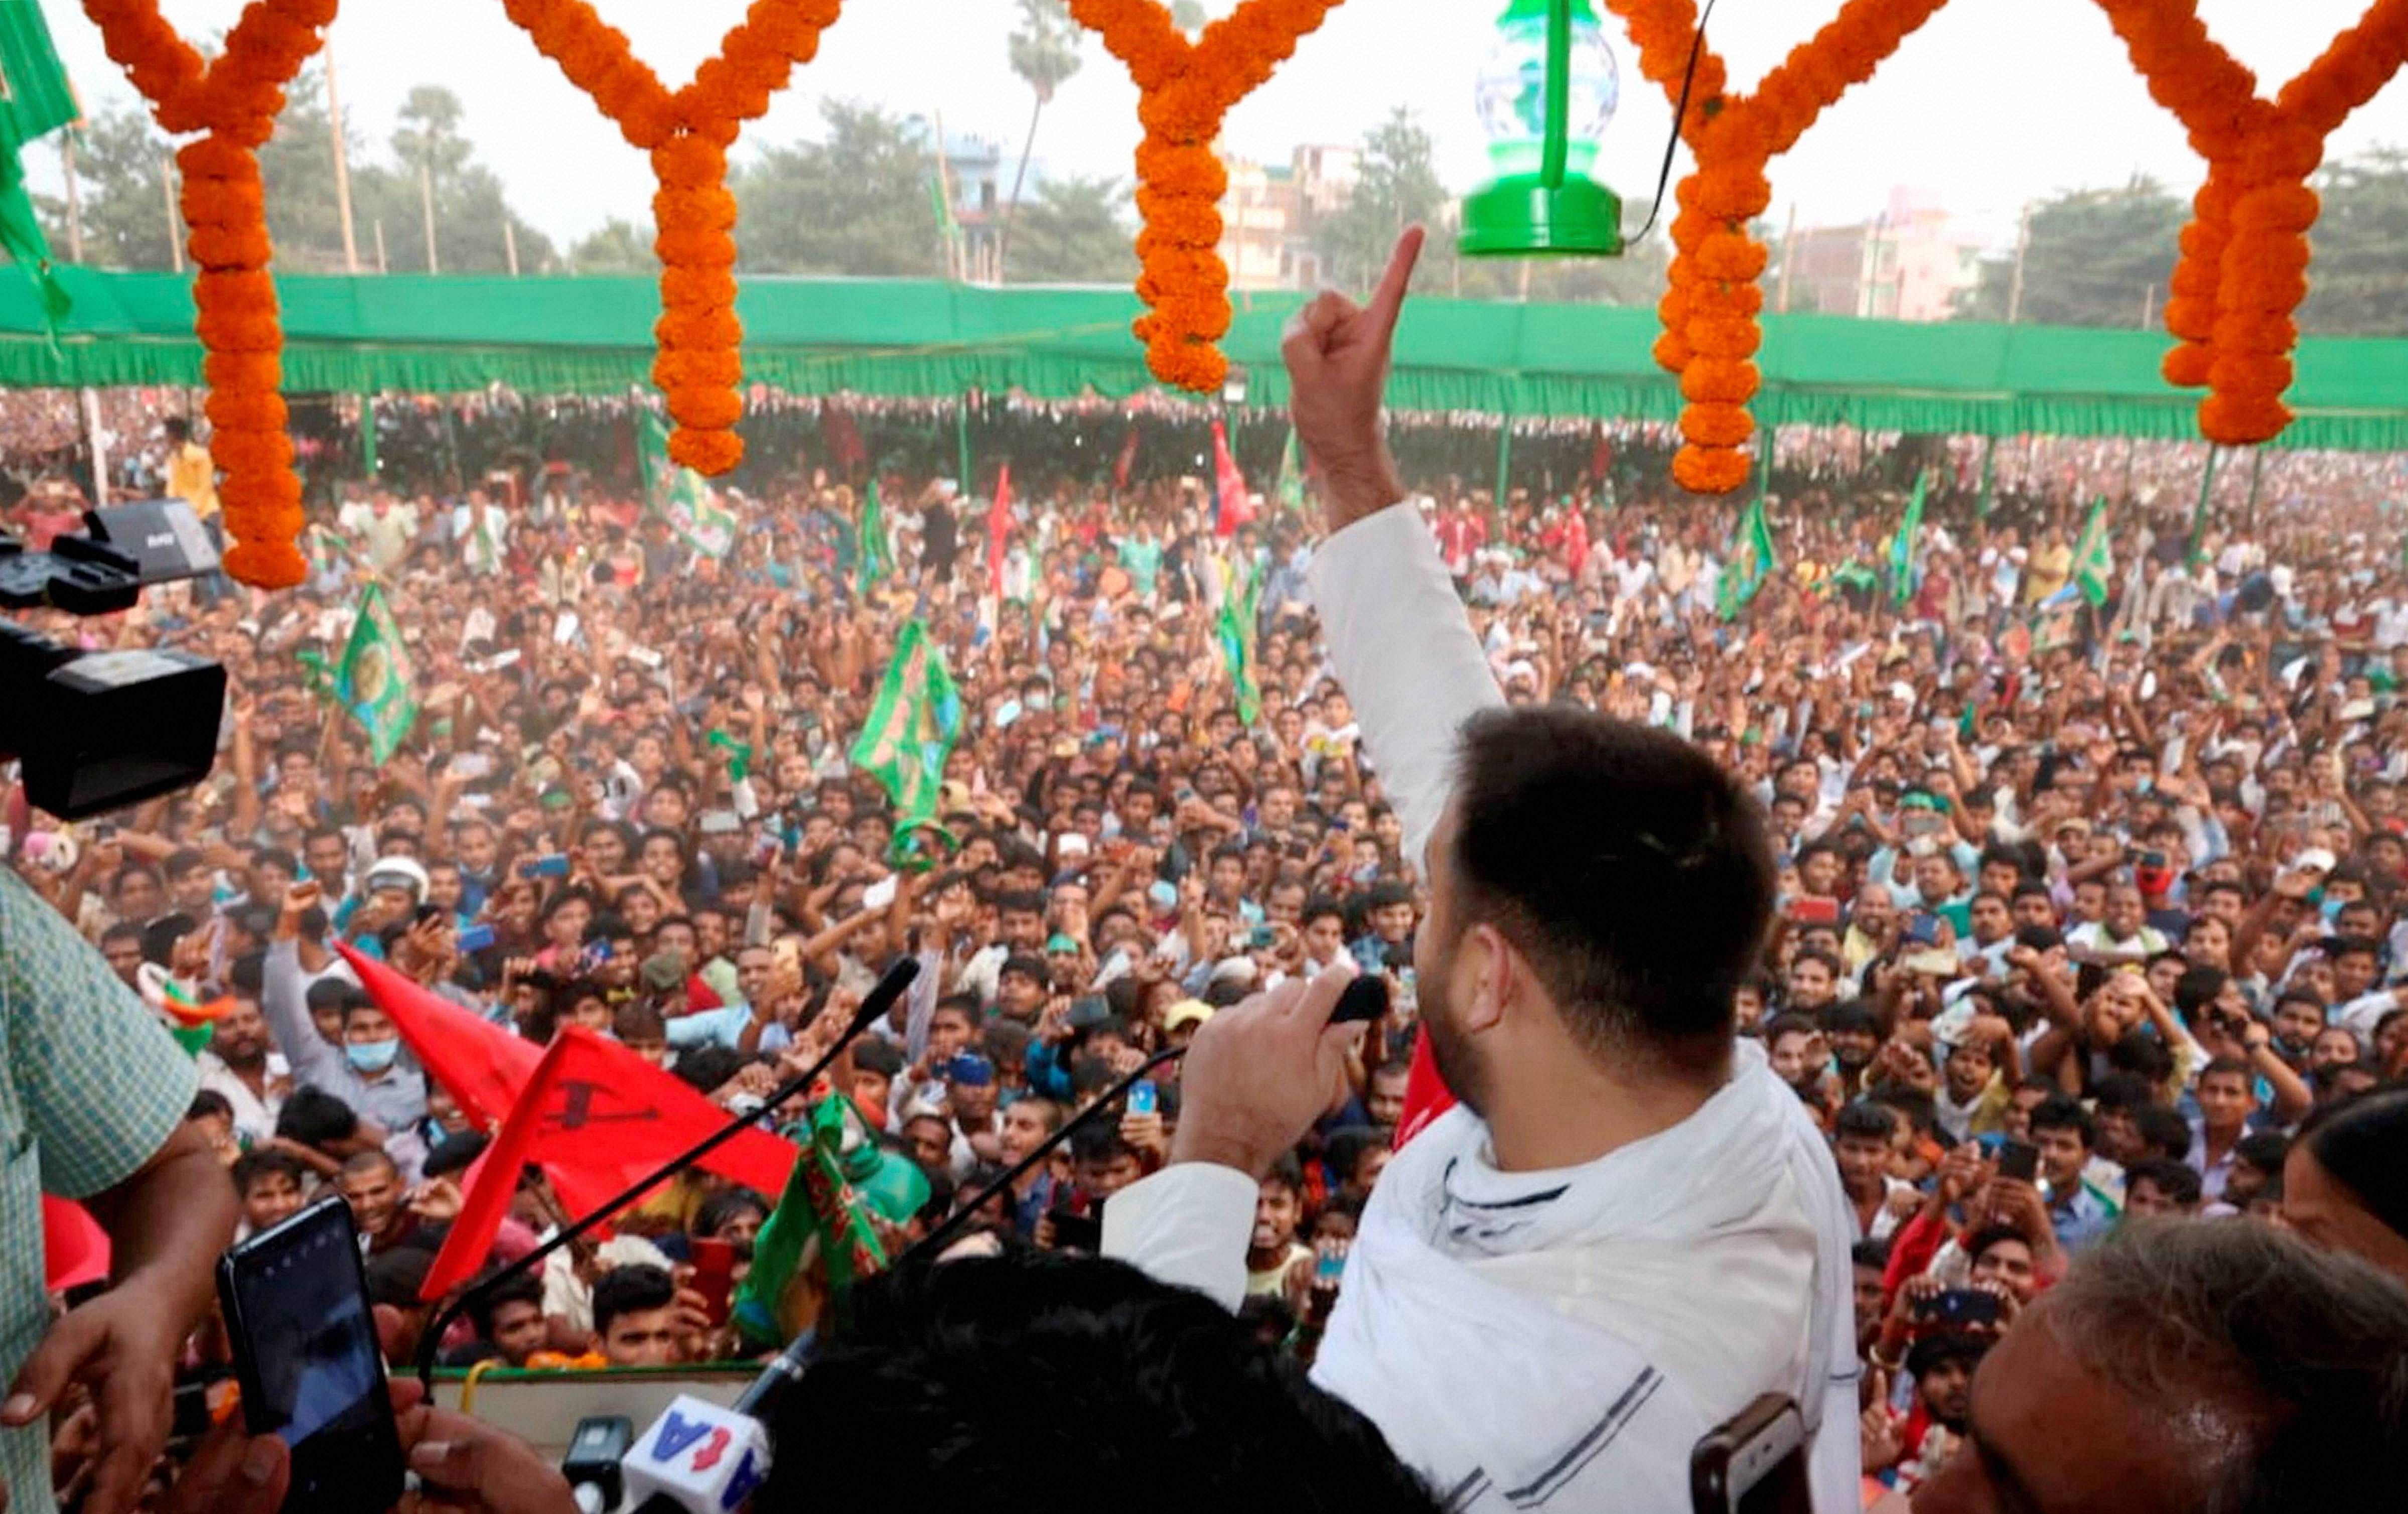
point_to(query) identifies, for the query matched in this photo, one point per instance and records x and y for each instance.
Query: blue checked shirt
(94, 1087)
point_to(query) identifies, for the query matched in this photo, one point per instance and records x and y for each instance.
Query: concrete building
(1907, 264)
(1269, 212)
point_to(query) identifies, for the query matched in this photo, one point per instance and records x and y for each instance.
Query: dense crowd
(2087, 910)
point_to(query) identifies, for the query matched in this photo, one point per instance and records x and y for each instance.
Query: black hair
(2264, 1150)
(335, 994)
(2163, 1131)
(1098, 1143)
(984, 1378)
(1347, 1148)
(208, 1103)
(706, 1068)
(518, 1288)
(871, 1054)
(396, 1277)
(724, 1205)
(2357, 1143)
(2199, 986)
(630, 1290)
(1990, 1235)
(315, 1117)
(2059, 1113)
(1867, 1120)
(1870, 1253)
(2137, 1053)
(253, 1165)
(2173, 1178)
(1851, 1014)
(1633, 872)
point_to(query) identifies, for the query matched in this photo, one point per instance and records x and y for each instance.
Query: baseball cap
(2315, 859)
(969, 1069)
(405, 872)
(1185, 1012)
(663, 972)
(1059, 942)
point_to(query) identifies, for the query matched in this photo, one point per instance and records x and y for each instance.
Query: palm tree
(1044, 52)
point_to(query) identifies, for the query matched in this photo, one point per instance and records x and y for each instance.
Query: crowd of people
(2085, 912)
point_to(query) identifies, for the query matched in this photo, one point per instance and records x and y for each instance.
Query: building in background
(1269, 212)
(1907, 264)
(972, 186)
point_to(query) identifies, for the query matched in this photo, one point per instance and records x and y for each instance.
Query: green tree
(616, 246)
(297, 166)
(1075, 231)
(858, 203)
(434, 160)
(2093, 257)
(1044, 51)
(2357, 286)
(1396, 184)
(120, 161)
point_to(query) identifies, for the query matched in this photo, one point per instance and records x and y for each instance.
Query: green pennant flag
(1291, 474)
(1752, 561)
(373, 680)
(679, 495)
(35, 99)
(841, 1179)
(911, 728)
(874, 565)
(2093, 563)
(1242, 598)
(1905, 553)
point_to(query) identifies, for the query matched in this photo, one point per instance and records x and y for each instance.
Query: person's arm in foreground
(104, 1091)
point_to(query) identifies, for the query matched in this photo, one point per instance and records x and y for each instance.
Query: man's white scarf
(1464, 1330)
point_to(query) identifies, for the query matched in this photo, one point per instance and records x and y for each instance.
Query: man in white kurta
(1529, 1336)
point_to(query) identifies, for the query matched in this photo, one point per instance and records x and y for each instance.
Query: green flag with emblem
(1291, 474)
(2094, 565)
(1752, 562)
(373, 680)
(1905, 553)
(911, 728)
(874, 565)
(1241, 597)
(679, 495)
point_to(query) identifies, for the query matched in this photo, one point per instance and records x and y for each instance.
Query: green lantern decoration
(1546, 95)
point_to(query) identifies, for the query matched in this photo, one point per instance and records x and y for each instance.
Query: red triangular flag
(999, 521)
(480, 1064)
(1123, 465)
(1426, 1095)
(493, 1182)
(600, 1118)
(1232, 506)
(75, 1250)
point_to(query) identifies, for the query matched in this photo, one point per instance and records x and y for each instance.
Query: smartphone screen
(2019, 1159)
(1144, 1097)
(305, 1343)
(714, 1274)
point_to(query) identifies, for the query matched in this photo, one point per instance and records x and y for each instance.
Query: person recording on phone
(1630, 1229)
(92, 1108)
(366, 1070)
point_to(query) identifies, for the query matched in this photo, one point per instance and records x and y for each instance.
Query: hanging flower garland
(2244, 255)
(235, 101)
(1184, 89)
(687, 133)
(1712, 302)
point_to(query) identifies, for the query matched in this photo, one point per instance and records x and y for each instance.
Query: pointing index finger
(1388, 300)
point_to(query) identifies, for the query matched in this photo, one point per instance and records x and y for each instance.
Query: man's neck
(1571, 1110)
(253, 1074)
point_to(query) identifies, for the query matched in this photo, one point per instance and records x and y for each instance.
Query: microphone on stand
(881, 999)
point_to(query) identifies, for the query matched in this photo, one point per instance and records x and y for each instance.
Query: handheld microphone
(698, 1457)
(880, 1000)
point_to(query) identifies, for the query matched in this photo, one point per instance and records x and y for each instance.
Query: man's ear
(1497, 974)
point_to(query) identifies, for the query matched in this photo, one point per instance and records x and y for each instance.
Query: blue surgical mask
(371, 1056)
(2330, 909)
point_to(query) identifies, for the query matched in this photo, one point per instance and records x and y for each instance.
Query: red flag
(1231, 507)
(595, 1116)
(999, 521)
(842, 438)
(1601, 456)
(480, 1064)
(1126, 460)
(75, 1250)
(1426, 1095)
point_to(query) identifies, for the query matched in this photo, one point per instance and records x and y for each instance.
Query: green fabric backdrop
(413, 332)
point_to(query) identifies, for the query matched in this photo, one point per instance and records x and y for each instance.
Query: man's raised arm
(1396, 633)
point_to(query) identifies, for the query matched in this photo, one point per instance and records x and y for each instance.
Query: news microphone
(698, 1457)
(880, 1000)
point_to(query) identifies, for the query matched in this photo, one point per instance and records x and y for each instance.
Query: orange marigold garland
(2244, 255)
(1712, 302)
(234, 100)
(1185, 89)
(687, 133)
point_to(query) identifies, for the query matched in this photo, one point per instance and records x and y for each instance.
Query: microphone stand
(952, 1223)
(881, 998)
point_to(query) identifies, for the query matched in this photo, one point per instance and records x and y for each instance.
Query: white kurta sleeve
(1404, 651)
(1187, 1225)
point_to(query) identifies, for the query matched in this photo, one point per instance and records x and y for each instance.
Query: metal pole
(2015, 284)
(1504, 467)
(2257, 463)
(99, 442)
(75, 196)
(427, 208)
(510, 246)
(342, 169)
(2199, 512)
(93, 440)
(2148, 306)
(961, 442)
(380, 240)
(175, 223)
(1788, 259)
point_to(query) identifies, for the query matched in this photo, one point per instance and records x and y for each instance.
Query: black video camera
(94, 731)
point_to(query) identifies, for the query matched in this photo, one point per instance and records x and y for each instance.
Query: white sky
(1991, 103)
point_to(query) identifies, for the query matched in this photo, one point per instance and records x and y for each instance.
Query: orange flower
(1710, 469)
(1719, 381)
(1713, 424)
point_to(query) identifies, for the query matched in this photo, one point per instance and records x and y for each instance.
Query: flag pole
(2199, 511)
(962, 441)
(1504, 469)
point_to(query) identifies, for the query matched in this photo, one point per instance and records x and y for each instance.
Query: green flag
(1751, 562)
(874, 565)
(2093, 564)
(912, 727)
(679, 495)
(35, 99)
(1906, 556)
(1291, 474)
(1242, 598)
(373, 680)
(841, 1179)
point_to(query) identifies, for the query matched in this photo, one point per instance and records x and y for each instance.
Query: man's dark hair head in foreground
(2227, 1367)
(1036, 1380)
(1629, 871)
